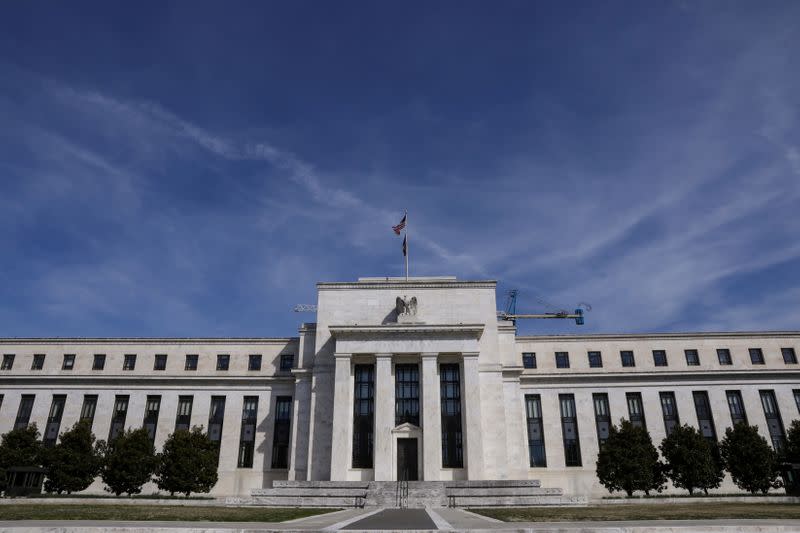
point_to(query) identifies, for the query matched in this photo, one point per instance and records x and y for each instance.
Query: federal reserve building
(414, 379)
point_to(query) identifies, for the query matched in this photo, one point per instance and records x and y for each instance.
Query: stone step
(502, 491)
(492, 483)
(315, 492)
(282, 483)
(515, 501)
(307, 501)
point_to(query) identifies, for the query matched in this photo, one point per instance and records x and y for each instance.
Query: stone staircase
(484, 493)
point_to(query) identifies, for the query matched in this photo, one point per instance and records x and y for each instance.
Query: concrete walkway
(438, 519)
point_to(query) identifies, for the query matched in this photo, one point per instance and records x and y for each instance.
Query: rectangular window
(724, 356)
(602, 416)
(191, 362)
(129, 363)
(704, 417)
(635, 409)
(736, 406)
(54, 420)
(692, 357)
(247, 437)
(88, 408)
(562, 359)
(789, 356)
(363, 415)
(452, 436)
(406, 394)
(38, 361)
(797, 399)
(151, 410)
(533, 416)
(287, 362)
(216, 416)
(774, 422)
(669, 408)
(99, 362)
(160, 361)
(24, 411)
(223, 361)
(569, 429)
(529, 360)
(595, 360)
(281, 436)
(183, 419)
(756, 356)
(659, 357)
(8, 361)
(69, 361)
(254, 362)
(626, 356)
(118, 416)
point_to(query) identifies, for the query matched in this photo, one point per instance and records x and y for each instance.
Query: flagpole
(406, 238)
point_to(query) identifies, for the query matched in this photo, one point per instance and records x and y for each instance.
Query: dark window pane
(406, 394)
(160, 361)
(562, 359)
(282, 434)
(529, 360)
(99, 362)
(669, 408)
(595, 360)
(704, 416)
(660, 357)
(756, 356)
(38, 361)
(8, 361)
(191, 362)
(536, 448)
(247, 436)
(724, 356)
(626, 356)
(789, 356)
(635, 409)
(287, 361)
(452, 437)
(223, 360)
(254, 362)
(736, 406)
(602, 415)
(569, 430)
(129, 362)
(363, 415)
(692, 357)
(774, 421)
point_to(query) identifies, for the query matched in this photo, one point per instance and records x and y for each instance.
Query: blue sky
(192, 169)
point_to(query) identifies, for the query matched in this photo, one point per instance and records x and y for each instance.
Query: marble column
(471, 398)
(342, 417)
(384, 418)
(431, 419)
(301, 415)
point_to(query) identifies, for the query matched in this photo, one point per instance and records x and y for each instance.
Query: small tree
(129, 461)
(74, 462)
(690, 460)
(628, 461)
(750, 460)
(791, 451)
(21, 447)
(188, 463)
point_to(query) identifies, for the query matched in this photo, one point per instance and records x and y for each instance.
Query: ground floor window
(363, 416)
(533, 414)
(281, 437)
(452, 436)
(247, 437)
(569, 430)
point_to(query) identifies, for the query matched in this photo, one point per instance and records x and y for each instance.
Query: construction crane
(510, 312)
(305, 308)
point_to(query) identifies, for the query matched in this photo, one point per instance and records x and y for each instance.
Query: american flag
(398, 228)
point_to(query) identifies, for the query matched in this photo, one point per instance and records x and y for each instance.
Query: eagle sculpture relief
(406, 307)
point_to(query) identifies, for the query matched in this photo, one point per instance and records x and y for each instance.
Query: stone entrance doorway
(407, 465)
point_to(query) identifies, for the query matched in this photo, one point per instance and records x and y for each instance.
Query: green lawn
(664, 511)
(49, 511)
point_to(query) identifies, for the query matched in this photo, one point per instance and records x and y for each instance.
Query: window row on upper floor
(159, 361)
(628, 359)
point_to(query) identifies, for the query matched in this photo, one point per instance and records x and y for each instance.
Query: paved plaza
(430, 519)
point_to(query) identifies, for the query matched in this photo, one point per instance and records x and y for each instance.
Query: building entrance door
(407, 467)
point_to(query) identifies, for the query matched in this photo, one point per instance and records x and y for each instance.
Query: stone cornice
(656, 336)
(406, 330)
(147, 340)
(410, 284)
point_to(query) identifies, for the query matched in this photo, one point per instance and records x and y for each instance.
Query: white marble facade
(454, 323)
